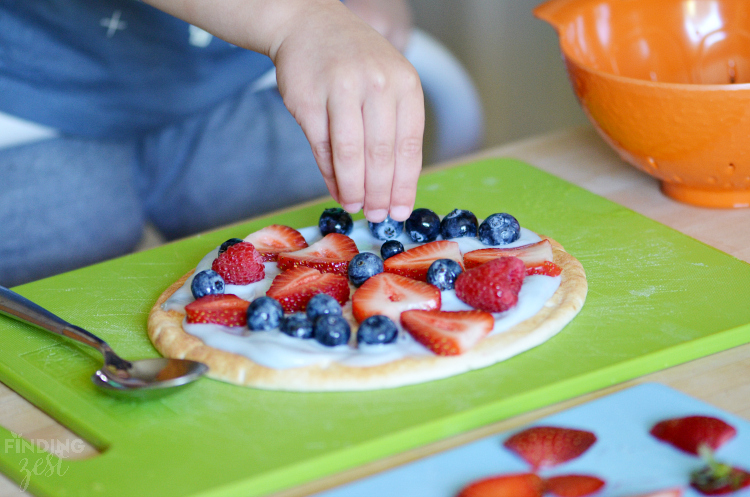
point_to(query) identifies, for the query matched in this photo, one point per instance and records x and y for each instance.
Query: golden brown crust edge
(166, 333)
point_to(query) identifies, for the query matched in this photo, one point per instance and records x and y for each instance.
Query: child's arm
(358, 100)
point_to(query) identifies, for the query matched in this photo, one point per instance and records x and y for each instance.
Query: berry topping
(363, 266)
(443, 272)
(274, 239)
(448, 333)
(207, 282)
(335, 220)
(332, 330)
(390, 294)
(690, 432)
(241, 264)
(415, 262)
(387, 229)
(321, 305)
(493, 286)
(377, 329)
(532, 255)
(264, 313)
(514, 485)
(297, 325)
(459, 223)
(223, 309)
(499, 229)
(573, 485)
(391, 248)
(423, 225)
(232, 241)
(547, 446)
(294, 288)
(718, 478)
(331, 254)
(545, 269)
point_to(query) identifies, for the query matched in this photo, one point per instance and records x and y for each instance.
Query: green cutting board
(656, 298)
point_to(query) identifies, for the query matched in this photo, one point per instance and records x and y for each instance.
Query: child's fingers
(379, 116)
(347, 145)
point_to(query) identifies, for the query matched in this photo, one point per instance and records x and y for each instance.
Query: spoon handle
(21, 308)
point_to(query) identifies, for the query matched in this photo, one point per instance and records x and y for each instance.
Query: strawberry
(241, 264)
(545, 269)
(390, 294)
(719, 479)
(224, 309)
(295, 287)
(415, 262)
(668, 492)
(573, 485)
(276, 238)
(514, 485)
(690, 432)
(547, 446)
(330, 254)
(493, 286)
(533, 254)
(448, 333)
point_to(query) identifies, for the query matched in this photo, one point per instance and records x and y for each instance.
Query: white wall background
(514, 59)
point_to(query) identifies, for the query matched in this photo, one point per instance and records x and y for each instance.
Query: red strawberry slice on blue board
(511, 485)
(389, 295)
(548, 446)
(241, 264)
(330, 254)
(690, 432)
(274, 239)
(415, 262)
(573, 485)
(537, 257)
(492, 286)
(295, 287)
(224, 309)
(448, 333)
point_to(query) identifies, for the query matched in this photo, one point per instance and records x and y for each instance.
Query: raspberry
(241, 264)
(493, 286)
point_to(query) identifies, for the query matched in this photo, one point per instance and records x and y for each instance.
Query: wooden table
(581, 157)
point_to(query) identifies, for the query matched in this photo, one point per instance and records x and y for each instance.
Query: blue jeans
(68, 202)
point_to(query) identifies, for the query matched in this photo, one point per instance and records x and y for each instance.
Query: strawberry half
(330, 254)
(515, 485)
(547, 446)
(448, 333)
(274, 239)
(390, 295)
(415, 262)
(493, 286)
(224, 309)
(719, 479)
(533, 254)
(241, 264)
(573, 485)
(294, 288)
(690, 432)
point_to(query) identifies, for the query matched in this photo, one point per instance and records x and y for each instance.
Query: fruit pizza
(351, 305)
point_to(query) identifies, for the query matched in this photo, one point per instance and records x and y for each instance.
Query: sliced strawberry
(545, 269)
(223, 309)
(241, 264)
(573, 485)
(390, 294)
(493, 286)
(415, 262)
(294, 288)
(330, 254)
(690, 432)
(533, 254)
(274, 239)
(448, 333)
(547, 446)
(514, 485)
(668, 492)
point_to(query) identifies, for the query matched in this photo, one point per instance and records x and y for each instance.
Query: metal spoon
(145, 376)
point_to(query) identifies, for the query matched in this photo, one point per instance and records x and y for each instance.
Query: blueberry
(377, 330)
(499, 229)
(363, 266)
(322, 304)
(459, 223)
(207, 282)
(232, 241)
(443, 273)
(386, 230)
(423, 225)
(264, 313)
(332, 330)
(391, 248)
(335, 220)
(297, 325)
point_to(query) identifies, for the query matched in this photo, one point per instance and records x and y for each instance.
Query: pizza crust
(166, 333)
